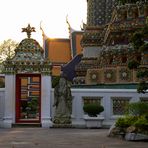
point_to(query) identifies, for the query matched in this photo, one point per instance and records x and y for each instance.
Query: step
(25, 125)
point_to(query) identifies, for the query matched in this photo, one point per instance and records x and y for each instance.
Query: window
(91, 99)
(119, 105)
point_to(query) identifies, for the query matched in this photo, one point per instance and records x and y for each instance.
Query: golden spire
(28, 30)
(69, 26)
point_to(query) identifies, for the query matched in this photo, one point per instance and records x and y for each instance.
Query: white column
(45, 101)
(9, 105)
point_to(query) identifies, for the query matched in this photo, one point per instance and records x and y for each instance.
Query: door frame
(17, 107)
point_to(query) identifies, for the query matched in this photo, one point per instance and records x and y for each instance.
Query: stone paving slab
(62, 138)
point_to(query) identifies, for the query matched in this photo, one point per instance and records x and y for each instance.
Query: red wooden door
(28, 98)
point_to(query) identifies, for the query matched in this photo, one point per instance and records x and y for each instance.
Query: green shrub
(121, 123)
(125, 122)
(142, 74)
(141, 123)
(93, 109)
(138, 108)
(137, 116)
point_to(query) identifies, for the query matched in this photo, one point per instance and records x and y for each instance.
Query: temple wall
(113, 101)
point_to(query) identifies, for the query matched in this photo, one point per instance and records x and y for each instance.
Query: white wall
(106, 96)
(2, 99)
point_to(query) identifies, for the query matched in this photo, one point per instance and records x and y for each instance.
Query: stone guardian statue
(62, 102)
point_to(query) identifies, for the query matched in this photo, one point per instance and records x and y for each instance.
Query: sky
(16, 14)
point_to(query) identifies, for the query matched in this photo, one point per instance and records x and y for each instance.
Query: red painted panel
(18, 100)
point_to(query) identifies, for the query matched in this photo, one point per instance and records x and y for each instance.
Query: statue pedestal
(62, 126)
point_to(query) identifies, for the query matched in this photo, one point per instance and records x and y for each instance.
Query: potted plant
(92, 117)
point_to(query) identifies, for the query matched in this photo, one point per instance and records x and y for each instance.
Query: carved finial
(69, 27)
(83, 26)
(41, 28)
(28, 30)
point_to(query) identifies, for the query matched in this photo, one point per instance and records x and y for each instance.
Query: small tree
(7, 49)
(140, 44)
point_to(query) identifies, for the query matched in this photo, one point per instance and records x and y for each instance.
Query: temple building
(106, 43)
(60, 51)
(103, 75)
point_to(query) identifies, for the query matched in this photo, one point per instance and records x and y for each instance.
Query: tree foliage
(139, 42)
(7, 49)
(133, 64)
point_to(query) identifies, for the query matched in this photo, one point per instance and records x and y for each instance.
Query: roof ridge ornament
(70, 29)
(28, 30)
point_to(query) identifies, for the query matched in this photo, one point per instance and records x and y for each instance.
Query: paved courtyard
(62, 138)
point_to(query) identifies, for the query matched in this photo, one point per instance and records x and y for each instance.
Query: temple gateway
(27, 84)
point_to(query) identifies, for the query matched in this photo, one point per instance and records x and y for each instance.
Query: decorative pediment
(28, 57)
